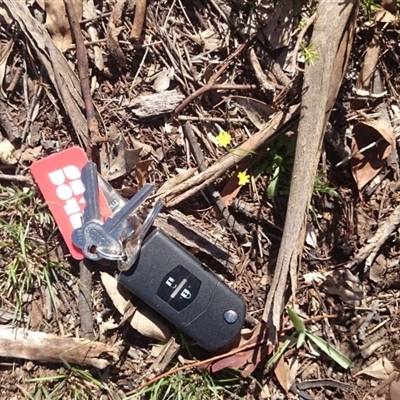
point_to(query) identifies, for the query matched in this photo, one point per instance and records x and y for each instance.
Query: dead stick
(44, 347)
(138, 20)
(279, 123)
(262, 79)
(16, 178)
(83, 69)
(369, 251)
(85, 282)
(212, 80)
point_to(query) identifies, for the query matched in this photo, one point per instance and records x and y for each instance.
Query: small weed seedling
(309, 53)
(301, 333)
(369, 8)
(278, 164)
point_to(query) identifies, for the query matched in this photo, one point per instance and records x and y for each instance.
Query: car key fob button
(185, 293)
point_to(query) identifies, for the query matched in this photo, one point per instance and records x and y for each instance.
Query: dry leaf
(384, 16)
(345, 285)
(389, 5)
(281, 371)
(257, 111)
(5, 16)
(366, 165)
(311, 237)
(141, 171)
(277, 22)
(254, 350)
(57, 22)
(175, 180)
(7, 153)
(378, 268)
(124, 162)
(5, 53)
(232, 188)
(311, 277)
(285, 373)
(369, 65)
(208, 39)
(145, 321)
(380, 369)
(162, 82)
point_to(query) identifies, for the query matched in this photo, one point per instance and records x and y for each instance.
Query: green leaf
(330, 351)
(300, 339)
(272, 188)
(296, 320)
(280, 351)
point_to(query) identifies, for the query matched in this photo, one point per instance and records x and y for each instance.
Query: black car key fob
(173, 282)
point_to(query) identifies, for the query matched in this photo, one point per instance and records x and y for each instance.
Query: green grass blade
(280, 351)
(300, 339)
(330, 351)
(296, 320)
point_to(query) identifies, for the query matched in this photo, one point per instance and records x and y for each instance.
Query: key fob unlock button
(179, 288)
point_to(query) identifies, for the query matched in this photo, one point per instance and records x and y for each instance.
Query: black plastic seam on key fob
(163, 261)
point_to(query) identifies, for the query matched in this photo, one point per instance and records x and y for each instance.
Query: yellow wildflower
(243, 177)
(223, 139)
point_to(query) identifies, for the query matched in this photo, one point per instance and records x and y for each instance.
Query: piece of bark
(150, 105)
(44, 347)
(322, 81)
(114, 27)
(62, 77)
(190, 234)
(165, 357)
(85, 299)
(7, 124)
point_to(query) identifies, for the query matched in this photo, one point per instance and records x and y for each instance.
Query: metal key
(91, 194)
(91, 233)
(134, 243)
(120, 226)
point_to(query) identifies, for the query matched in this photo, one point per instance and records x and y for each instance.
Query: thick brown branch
(83, 69)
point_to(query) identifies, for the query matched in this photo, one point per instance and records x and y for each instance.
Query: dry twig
(85, 288)
(138, 20)
(43, 347)
(211, 84)
(262, 79)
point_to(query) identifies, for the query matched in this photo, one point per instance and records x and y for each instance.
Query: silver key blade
(134, 244)
(117, 224)
(91, 211)
(91, 194)
(114, 200)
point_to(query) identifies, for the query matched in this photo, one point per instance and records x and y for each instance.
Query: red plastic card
(59, 179)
